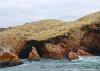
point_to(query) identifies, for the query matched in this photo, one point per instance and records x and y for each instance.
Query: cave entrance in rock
(24, 54)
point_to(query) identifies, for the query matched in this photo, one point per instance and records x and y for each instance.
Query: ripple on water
(83, 64)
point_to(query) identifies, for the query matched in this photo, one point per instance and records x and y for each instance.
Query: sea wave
(86, 63)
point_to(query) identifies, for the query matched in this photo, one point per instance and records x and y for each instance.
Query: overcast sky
(15, 12)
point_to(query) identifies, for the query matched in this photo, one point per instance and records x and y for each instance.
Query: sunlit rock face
(33, 55)
(9, 59)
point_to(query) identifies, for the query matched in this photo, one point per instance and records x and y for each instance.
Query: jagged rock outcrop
(51, 39)
(33, 55)
(9, 59)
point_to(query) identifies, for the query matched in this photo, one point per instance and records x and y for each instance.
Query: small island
(50, 39)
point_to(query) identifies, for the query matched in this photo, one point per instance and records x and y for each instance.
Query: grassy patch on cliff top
(45, 29)
(40, 30)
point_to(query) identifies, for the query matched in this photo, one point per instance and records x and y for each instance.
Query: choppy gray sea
(91, 63)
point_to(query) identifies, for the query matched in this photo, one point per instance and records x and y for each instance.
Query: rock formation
(51, 39)
(10, 46)
(91, 39)
(33, 55)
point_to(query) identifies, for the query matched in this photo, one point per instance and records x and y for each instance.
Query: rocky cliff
(53, 39)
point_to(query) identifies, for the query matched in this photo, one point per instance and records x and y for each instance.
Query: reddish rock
(81, 52)
(10, 46)
(91, 40)
(33, 55)
(72, 55)
(54, 51)
(69, 45)
(88, 40)
(9, 59)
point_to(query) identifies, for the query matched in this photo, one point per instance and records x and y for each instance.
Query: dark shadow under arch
(28, 47)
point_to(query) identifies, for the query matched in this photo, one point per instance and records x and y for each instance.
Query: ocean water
(91, 63)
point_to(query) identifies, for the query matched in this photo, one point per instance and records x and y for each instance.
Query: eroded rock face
(54, 51)
(10, 46)
(91, 40)
(69, 45)
(60, 48)
(57, 41)
(9, 59)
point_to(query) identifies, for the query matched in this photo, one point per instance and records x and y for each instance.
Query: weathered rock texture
(90, 41)
(33, 55)
(10, 47)
(51, 39)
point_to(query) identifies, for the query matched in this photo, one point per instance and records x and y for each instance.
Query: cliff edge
(51, 39)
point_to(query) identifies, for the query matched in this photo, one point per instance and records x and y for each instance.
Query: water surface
(83, 64)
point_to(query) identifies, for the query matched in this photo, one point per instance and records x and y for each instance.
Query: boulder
(33, 55)
(72, 55)
(9, 59)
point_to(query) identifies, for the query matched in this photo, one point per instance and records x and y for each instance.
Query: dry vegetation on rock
(53, 38)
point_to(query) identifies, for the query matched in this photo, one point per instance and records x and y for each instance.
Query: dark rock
(91, 40)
